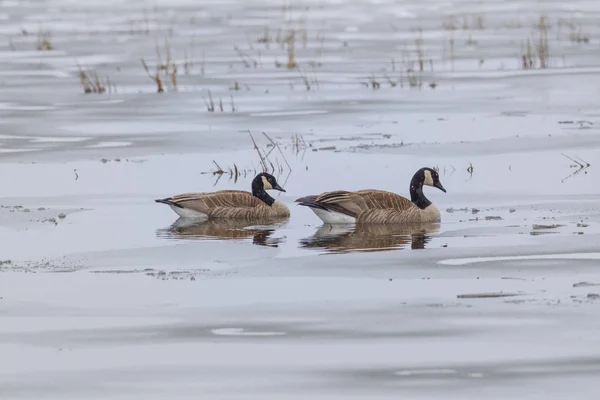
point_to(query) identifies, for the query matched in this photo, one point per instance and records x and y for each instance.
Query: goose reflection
(370, 238)
(260, 231)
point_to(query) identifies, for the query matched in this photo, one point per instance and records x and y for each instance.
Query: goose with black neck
(378, 206)
(231, 204)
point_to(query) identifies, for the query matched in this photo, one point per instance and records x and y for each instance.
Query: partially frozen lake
(103, 295)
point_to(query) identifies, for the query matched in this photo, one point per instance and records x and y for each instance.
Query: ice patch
(289, 113)
(109, 144)
(58, 139)
(16, 150)
(242, 332)
(18, 107)
(411, 372)
(572, 256)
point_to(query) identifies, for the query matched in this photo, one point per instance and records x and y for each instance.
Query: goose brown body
(231, 204)
(378, 206)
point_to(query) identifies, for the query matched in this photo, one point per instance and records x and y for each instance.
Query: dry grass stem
(373, 83)
(579, 165)
(260, 156)
(535, 53)
(154, 76)
(44, 41)
(246, 59)
(91, 82)
(280, 152)
(165, 73)
(210, 104)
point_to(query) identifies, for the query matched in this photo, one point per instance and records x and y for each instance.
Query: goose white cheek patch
(266, 184)
(428, 179)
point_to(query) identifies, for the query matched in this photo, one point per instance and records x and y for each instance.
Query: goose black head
(424, 176)
(265, 181)
(430, 177)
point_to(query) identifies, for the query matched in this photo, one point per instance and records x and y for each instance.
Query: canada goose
(231, 204)
(378, 206)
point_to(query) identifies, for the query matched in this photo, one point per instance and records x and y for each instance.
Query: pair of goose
(336, 207)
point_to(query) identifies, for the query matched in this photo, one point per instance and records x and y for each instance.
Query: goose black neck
(416, 193)
(259, 192)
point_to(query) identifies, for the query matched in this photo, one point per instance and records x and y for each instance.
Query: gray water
(103, 294)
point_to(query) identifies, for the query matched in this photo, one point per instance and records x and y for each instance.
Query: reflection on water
(259, 231)
(368, 238)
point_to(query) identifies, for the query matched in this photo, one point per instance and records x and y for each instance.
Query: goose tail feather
(311, 201)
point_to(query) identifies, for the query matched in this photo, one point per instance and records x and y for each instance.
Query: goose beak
(438, 185)
(277, 187)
